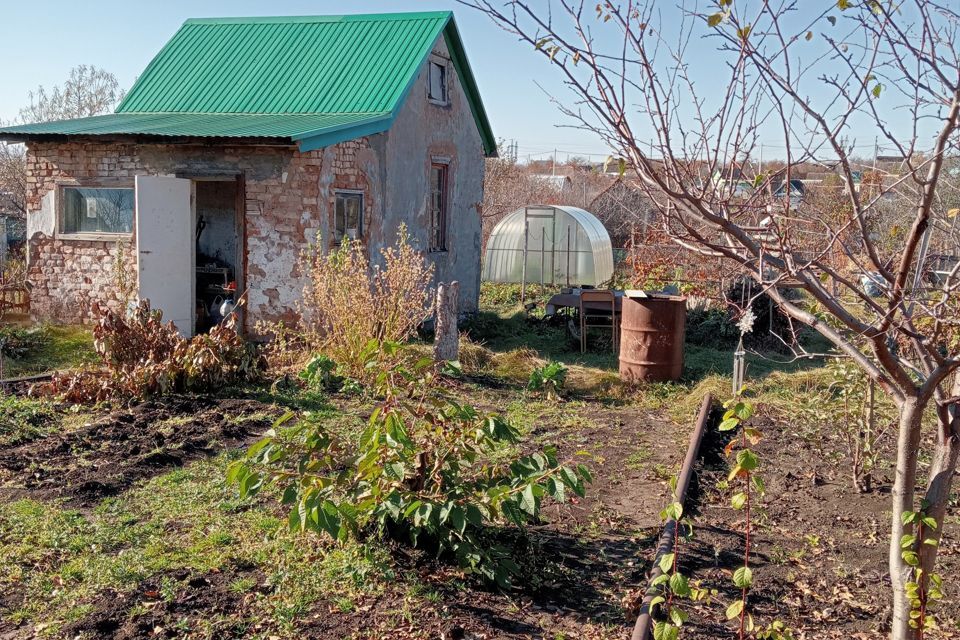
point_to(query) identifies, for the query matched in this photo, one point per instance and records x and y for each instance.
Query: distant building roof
(558, 182)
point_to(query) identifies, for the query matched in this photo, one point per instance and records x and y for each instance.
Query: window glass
(438, 207)
(94, 210)
(438, 81)
(348, 213)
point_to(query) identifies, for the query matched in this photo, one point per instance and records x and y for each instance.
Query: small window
(348, 214)
(438, 82)
(96, 211)
(438, 207)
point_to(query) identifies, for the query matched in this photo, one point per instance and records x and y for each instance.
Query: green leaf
(666, 562)
(738, 500)
(715, 19)
(679, 585)
(678, 616)
(877, 89)
(528, 501)
(747, 460)
(735, 609)
(743, 578)
(729, 424)
(843, 5)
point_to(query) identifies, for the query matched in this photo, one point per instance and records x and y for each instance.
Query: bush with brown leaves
(142, 356)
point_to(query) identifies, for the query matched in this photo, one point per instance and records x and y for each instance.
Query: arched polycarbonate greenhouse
(549, 244)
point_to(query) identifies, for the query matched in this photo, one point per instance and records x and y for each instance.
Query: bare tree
(89, 91)
(13, 177)
(813, 74)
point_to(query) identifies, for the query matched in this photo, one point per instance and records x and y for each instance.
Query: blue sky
(122, 37)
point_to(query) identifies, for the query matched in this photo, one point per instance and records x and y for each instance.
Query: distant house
(795, 190)
(243, 140)
(560, 183)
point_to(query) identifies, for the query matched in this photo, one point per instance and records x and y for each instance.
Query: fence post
(446, 341)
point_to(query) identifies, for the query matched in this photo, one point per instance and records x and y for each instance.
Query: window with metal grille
(438, 207)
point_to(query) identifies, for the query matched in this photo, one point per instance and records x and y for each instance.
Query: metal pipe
(643, 626)
(543, 252)
(523, 277)
(568, 255)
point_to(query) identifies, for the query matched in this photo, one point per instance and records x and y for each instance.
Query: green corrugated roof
(316, 80)
(227, 125)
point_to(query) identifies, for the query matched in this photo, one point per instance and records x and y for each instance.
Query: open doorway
(219, 240)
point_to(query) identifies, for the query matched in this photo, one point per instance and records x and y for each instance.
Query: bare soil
(819, 547)
(106, 456)
(819, 550)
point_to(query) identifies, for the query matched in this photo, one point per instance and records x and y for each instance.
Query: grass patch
(59, 560)
(25, 419)
(65, 347)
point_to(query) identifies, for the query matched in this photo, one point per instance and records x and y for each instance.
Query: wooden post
(446, 341)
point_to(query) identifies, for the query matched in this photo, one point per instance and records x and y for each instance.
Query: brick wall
(289, 199)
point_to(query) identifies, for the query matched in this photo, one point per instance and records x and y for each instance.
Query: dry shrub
(348, 303)
(474, 358)
(142, 356)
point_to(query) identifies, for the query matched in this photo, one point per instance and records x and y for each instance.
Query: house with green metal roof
(243, 142)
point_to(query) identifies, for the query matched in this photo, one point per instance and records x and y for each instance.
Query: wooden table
(572, 301)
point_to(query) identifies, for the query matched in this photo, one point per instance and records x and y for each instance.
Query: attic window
(438, 82)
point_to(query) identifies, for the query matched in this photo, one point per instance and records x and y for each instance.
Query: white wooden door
(165, 248)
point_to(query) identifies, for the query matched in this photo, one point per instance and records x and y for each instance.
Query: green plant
(18, 342)
(673, 584)
(321, 371)
(924, 591)
(549, 379)
(745, 475)
(423, 470)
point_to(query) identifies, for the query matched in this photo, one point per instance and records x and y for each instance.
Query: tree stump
(446, 341)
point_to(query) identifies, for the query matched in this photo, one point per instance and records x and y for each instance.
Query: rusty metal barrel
(652, 330)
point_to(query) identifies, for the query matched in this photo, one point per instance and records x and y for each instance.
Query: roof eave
(313, 140)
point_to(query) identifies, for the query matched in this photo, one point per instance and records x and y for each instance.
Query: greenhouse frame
(549, 244)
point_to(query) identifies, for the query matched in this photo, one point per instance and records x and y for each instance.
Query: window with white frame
(96, 211)
(348, 215)
(439, 91)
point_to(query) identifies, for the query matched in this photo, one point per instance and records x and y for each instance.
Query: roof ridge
(347, 17)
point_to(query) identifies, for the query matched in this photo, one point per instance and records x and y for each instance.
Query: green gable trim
(347, 17)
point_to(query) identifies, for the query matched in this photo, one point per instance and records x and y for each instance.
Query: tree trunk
(904, 486)
(942, 470)
(446, 341)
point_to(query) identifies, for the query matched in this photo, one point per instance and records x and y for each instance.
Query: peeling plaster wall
(288, 200)
(422, 131)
